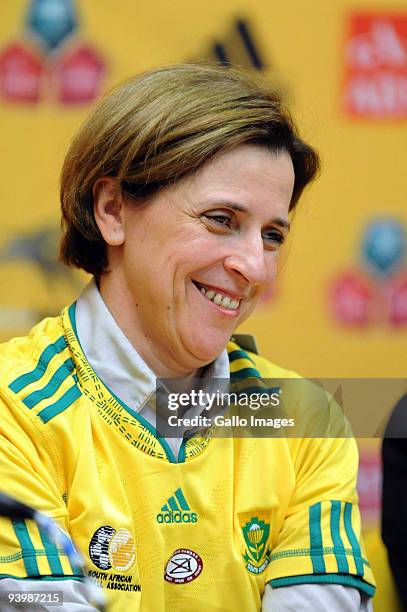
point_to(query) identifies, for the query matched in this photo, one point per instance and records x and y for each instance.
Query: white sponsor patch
(183, 566)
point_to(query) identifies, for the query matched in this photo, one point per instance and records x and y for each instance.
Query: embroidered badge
(109, 548)
(183, 566)
(256, 555)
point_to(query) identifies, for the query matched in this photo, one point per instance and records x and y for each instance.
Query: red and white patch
(183, 566)
(375, 58)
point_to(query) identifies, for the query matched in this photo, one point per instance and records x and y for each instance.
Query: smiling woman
(202, 250)
(200, 166)
(176, 196)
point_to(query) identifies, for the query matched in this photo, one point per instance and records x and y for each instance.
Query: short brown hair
(160, 126)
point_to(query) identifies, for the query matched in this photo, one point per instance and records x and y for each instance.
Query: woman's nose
(252, 261)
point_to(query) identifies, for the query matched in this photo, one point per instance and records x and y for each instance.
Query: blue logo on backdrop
(51, 21)
(384, 246)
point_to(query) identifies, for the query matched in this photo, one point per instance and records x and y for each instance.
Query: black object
(14, 509)
(243, 29)
(394, 501)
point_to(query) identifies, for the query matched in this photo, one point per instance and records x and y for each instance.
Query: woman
(176, 196)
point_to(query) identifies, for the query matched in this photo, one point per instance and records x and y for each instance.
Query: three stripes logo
(176, 510)
(238, 45)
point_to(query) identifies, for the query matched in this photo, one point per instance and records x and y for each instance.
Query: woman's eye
(273, 237)
(219, 219)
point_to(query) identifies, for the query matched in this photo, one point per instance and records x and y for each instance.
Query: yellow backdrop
(302, 47)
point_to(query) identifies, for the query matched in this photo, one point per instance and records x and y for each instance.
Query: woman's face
(197, 259)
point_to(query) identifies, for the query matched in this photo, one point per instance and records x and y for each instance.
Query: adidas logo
(176, 510)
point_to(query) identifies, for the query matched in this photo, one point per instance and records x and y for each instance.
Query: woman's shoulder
(244, 347)
(23, 358)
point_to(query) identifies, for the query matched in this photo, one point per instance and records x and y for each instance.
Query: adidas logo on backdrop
(176, 510)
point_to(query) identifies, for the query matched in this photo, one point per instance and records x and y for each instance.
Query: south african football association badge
(257, 553)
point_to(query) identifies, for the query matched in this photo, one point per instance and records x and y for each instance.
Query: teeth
(219, 299)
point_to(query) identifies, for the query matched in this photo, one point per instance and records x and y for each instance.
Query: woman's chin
(207, 347)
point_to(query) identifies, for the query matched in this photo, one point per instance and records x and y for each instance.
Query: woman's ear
(108, 210)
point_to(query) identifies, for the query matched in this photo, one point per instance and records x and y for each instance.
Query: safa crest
(256, 555)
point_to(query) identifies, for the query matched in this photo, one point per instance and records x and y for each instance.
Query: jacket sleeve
(320, 538)
(29, 473)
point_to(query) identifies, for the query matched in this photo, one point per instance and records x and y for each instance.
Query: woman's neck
(122, 308)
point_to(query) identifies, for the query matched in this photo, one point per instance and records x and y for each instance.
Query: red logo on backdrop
(375, 291)
(352, 299)
(375, 84)
(50, 61)
(21, 72)
(396, 297)
(79, 76)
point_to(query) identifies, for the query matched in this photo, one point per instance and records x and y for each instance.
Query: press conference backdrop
(339, 306)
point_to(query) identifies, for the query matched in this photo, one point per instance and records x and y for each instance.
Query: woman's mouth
(217, 297)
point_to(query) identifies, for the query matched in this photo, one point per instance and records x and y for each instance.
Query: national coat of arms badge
(257, 552)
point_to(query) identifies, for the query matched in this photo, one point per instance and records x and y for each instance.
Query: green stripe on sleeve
(315, 533)
(27, 548)
(239, 354)
(68, 398)
(339, 548)
(181, 499)
(245, 373)
(77, 577)
(76, 570)
(357, 554)
(52, 554)
(346, 580)
(52, 386)
(26, 379)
